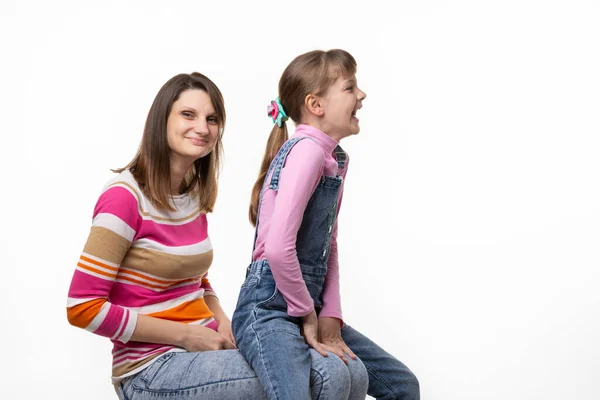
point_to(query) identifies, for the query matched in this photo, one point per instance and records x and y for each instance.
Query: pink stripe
(212, 325)
(111, 322)
(127, 313)
(128, 295)
(120, 359)
(136, 352)
(118, 346)
(84, 285)
(121, 203)
(206, 283)
(174, 235)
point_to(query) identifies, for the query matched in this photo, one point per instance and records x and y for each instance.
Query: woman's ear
(314, 105)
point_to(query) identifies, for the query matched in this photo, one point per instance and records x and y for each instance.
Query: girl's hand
(310, 331)
(200, 338)
(225, 329)
(330, 335)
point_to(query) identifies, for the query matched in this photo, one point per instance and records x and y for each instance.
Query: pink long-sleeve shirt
(281, 216)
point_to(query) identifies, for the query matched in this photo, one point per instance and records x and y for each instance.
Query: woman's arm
(190, 337)
(115, 223)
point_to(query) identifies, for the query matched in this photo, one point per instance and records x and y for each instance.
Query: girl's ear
(314, 105)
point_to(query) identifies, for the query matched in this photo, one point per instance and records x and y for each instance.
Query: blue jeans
(388, 377)
(271, 341)
(224, 374)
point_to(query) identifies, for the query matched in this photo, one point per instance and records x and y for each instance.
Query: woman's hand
(330, 335)
(224, 322)
(225, 330)
(200, 338)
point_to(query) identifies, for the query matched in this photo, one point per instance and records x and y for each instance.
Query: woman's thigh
(218, 375)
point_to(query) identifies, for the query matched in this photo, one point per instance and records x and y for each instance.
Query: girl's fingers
(319, 348)
(349, 352)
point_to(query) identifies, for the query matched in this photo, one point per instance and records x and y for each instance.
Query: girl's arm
(332, 305)
(299, 177)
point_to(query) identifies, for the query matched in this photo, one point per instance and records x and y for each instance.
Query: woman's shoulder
(120, 185)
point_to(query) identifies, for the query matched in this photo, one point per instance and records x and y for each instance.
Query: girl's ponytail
(278, 136)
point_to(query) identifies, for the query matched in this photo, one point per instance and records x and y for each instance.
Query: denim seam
(154, 368)
(386, 384)
(272, 331)
(322, 384)
(268, 300)
(260, 352)
(167, 391)
(121, 389)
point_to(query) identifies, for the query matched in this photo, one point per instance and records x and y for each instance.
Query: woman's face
(192, 127)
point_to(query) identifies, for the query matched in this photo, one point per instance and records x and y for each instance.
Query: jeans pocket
(274, 299)
(145, 377)
(251, 278)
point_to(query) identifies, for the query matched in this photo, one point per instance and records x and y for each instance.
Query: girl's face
(340, 104)
(192, 127)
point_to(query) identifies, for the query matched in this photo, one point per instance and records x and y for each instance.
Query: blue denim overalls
(267, 336)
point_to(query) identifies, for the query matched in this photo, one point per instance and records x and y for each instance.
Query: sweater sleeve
(114, 226)
(332, 304)
(299, 177)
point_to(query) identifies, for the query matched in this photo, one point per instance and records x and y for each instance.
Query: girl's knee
(332, 376)
(359, 379)
(413, 387)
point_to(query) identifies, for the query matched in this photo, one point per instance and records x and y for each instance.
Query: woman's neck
(178, 171)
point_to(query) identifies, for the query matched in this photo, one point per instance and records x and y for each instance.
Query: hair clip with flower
(276, 113)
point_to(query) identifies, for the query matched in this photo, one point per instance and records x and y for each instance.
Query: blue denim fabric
(224, 375)
(270, 339)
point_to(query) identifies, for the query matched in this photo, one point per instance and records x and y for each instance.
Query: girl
(290, 300)
(142, 277)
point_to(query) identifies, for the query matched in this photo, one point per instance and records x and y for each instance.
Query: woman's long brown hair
(151, 167)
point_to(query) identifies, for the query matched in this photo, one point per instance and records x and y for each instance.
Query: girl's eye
(350, 88)
(187, 114)
(212, 120)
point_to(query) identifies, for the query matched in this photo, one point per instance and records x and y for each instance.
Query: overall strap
(340, 157)
(275, 167)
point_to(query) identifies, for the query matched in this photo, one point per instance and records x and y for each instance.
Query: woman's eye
(187, 114)
(350, 88)
(212, 120)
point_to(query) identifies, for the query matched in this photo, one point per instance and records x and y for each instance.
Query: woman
(142, 277)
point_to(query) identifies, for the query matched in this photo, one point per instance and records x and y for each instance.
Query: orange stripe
(87, 267)
(83, 314)
(125, 278)
(98, 263)
(144, 276)
(187, 312)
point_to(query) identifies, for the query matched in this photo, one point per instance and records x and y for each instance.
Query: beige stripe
(130, 366)
(147, 214)
(167, 266)
(106, 245)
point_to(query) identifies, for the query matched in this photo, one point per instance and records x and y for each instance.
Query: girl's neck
(315, 123)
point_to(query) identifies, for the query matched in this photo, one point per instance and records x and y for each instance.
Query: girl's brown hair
(309, 73)
(151, 167)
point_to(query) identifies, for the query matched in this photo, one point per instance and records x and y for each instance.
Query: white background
(469, 235)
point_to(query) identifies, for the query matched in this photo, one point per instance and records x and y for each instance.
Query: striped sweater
(140, 260)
